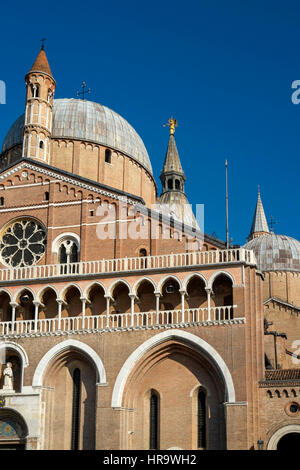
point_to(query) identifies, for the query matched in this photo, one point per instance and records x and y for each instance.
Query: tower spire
(41, 63)
(259, 223)
(172, 179)
(40, 88)
(172, 176)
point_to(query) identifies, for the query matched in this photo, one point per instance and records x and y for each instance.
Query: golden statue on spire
(172, 123)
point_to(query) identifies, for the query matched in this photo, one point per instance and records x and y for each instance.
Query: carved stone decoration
(23, 243)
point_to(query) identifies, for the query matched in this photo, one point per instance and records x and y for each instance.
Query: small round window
(292, 408)
(23, 243)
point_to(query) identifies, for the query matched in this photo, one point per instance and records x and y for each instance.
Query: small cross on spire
(272, 223)
(84, 90)
(43, 43)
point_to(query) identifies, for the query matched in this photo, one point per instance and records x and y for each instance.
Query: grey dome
(276, 252)
(89, 121)
(15, 134)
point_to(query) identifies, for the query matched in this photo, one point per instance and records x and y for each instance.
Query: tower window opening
(170, 184)
(154, 421)
(108, 156)
(177, 184)
(1, 201)
(46, 196)
(76, 410)
(41, 144)
(201, 415)
(35, 91)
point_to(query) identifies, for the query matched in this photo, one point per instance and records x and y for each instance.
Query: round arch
(94, 284)
(275, 438)
(117, 282)
(140, 281)
(62, 347)
(21, 351)
(44, 289)
(191, 276)
(22, 354)
(160, 338)
(66, 288)
(165, 279)
(218, 273)
(64, 236)
(16, 417)
(5, 291)
(23, 289)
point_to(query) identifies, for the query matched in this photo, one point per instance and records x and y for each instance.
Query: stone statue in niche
(8, 377)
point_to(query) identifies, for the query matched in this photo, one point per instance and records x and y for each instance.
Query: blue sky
(224, 69)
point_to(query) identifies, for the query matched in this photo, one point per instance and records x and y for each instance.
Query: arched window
(154, 421)
(76, 409)
(201, 418)
(41, 144)
(74, 254)
(68, 252)
(1, 201)
(35, 91)
(143, 252)
(108, 156)
(46, 196)
(170, 184)
(63, 255)
(177, 184)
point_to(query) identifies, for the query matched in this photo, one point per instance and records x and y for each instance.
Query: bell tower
(40, 88)
(172, 176)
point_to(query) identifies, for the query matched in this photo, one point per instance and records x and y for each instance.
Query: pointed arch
(210, 353)
(67, 287)
(23, 289)
(88, 289)
(5, 291)
(219, 273)
(140, 281)
(62, 347)
(191, 276)
(116, 283)
(167, 278)
(44, 289)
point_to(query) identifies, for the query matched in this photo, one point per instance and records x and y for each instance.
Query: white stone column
(36, 304)
(209, 291)
(13, 305)
(108, 298)
(132, 299)
(83, 303)
(182, 292)
(157, 297)
(60, 302)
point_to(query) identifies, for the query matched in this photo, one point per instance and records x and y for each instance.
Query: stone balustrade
(120, 321)
(147, 263)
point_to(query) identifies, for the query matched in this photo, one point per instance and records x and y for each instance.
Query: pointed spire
(172, 178)
(172, 160)
(172, 166)
(259, 223)
(41, 63)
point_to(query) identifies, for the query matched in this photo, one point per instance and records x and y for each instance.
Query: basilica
(122, 324)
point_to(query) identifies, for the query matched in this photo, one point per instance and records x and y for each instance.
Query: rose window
(23, 243)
